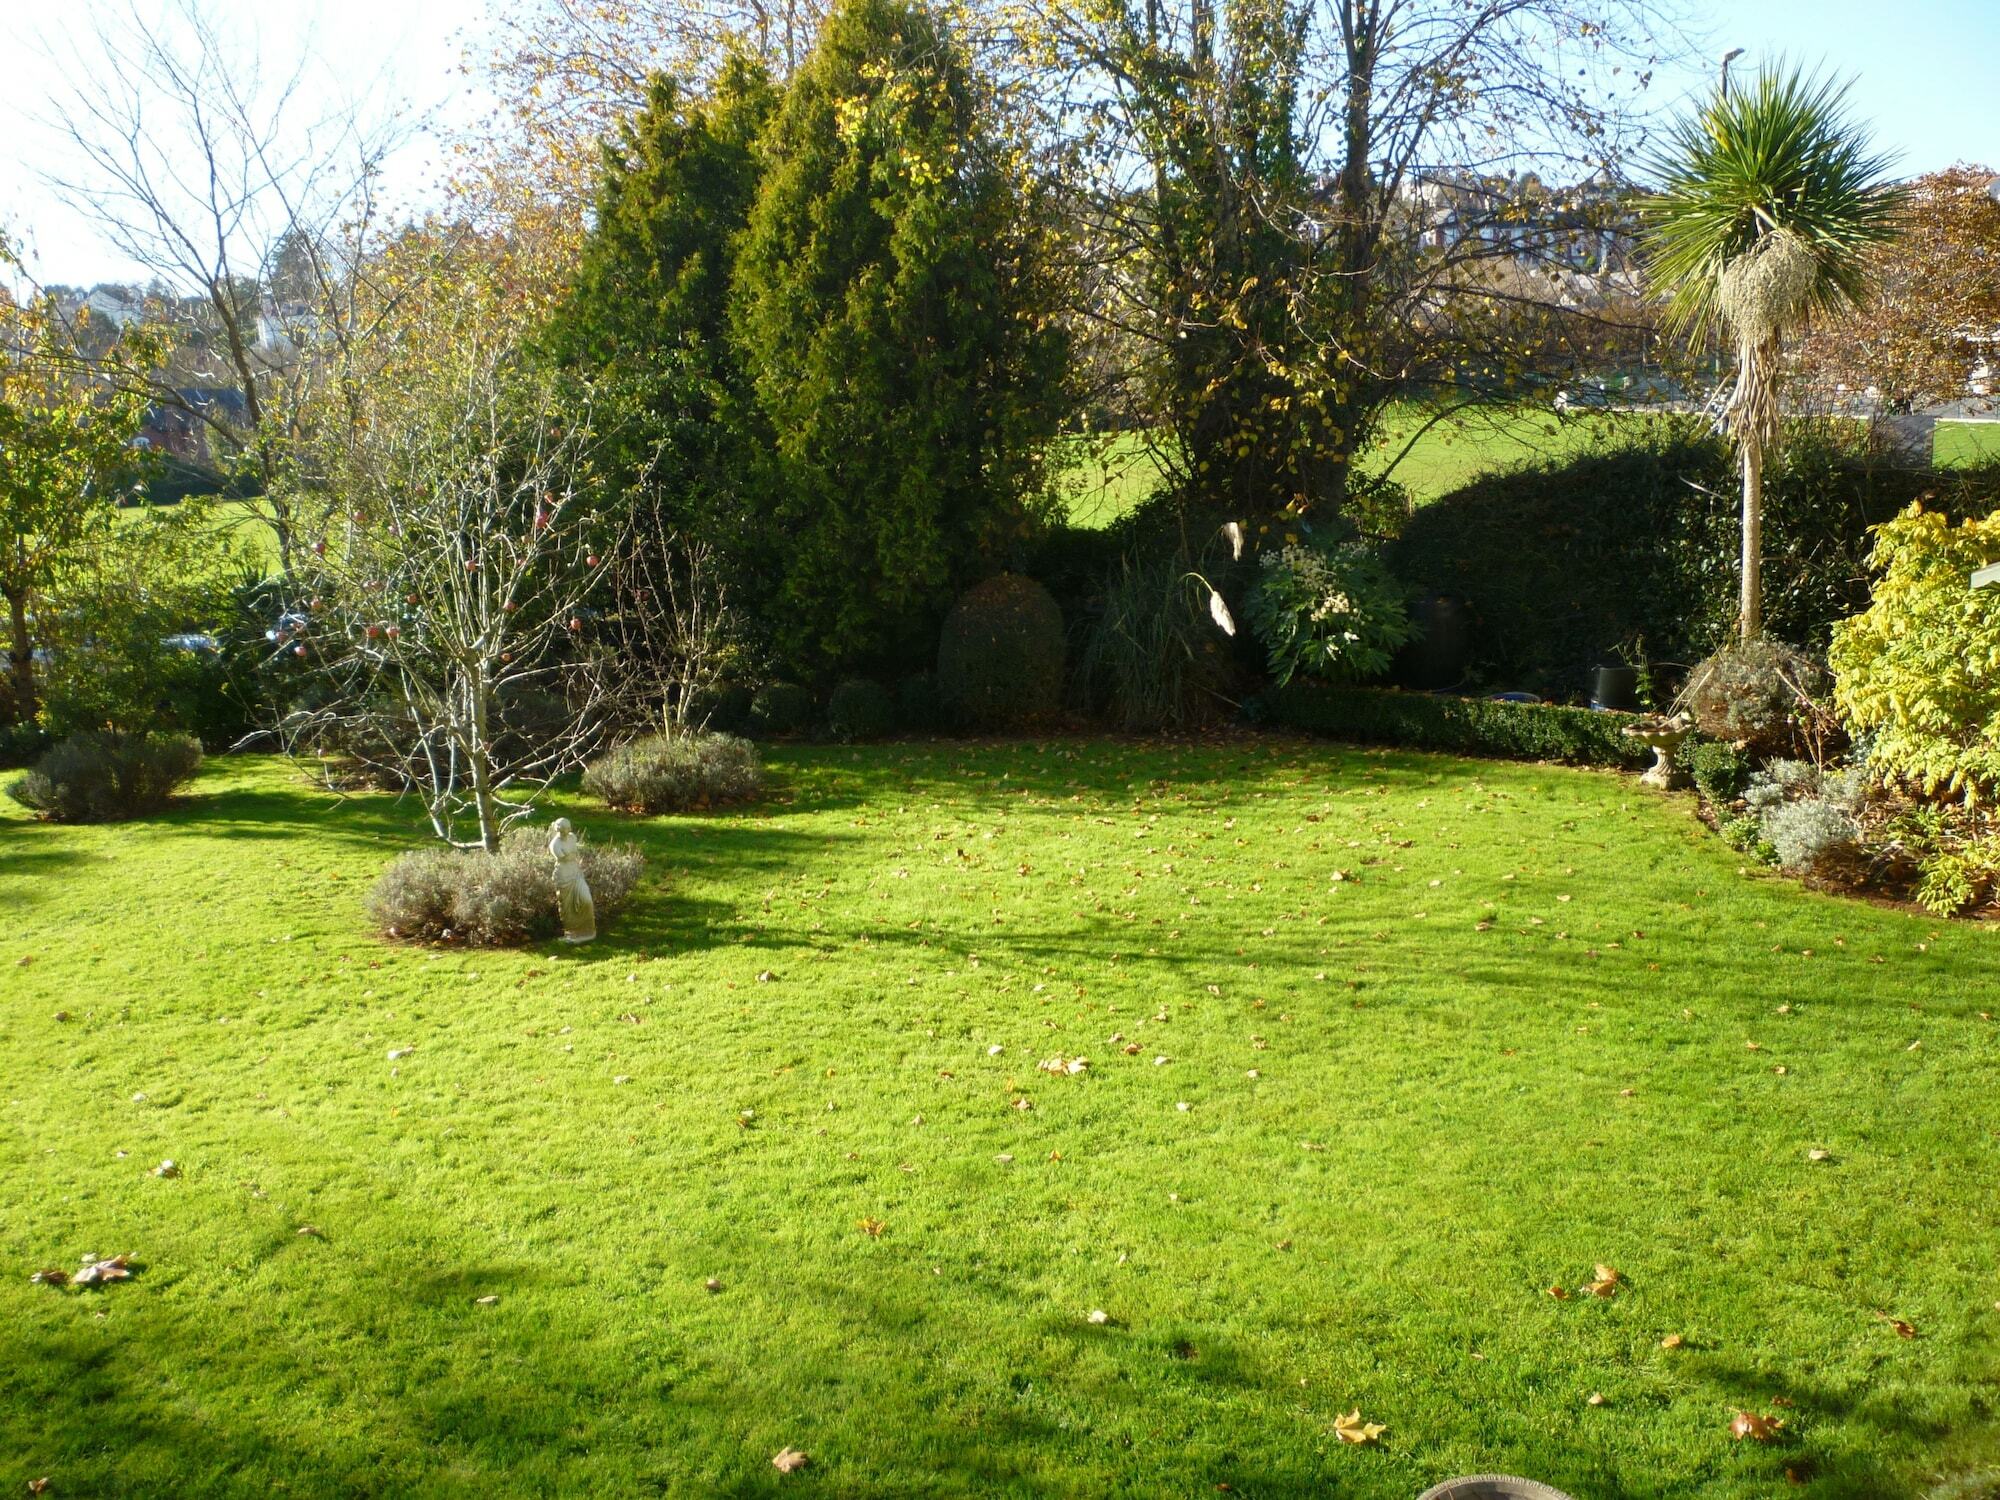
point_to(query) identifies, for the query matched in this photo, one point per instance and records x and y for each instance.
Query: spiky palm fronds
(1781, 154)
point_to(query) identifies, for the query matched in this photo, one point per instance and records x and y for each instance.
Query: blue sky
(1923, 71)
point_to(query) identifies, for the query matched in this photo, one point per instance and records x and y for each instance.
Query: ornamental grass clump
(493, 900)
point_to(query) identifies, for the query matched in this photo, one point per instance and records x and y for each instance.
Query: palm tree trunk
(1750, 619)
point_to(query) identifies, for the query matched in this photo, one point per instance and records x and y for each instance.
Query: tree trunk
(1750, 620)
(22, 671)
(482, 763)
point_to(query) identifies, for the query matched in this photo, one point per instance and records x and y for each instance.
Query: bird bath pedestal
(1664, 738)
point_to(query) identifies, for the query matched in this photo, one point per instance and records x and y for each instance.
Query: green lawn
(1544, 1021)
(1119, 471)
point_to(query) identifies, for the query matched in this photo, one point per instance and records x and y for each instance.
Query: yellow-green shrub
(1918, 673)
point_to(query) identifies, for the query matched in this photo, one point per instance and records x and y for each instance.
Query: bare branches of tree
(451, 620)
(229, 183)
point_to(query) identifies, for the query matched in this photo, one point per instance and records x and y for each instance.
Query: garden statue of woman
(579, 913)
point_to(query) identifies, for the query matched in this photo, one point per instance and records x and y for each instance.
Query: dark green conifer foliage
(889, 302)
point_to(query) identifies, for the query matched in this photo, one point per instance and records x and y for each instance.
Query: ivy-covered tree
(892, 306)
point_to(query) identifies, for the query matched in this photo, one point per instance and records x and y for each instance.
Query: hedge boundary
(1461, 726)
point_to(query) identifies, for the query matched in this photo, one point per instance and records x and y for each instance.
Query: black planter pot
(1615, 688)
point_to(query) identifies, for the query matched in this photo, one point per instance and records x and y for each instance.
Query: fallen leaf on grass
(872, 1228)
(1560, 1293)
(1758, 1428)
(711, 1286)
(1595, 1398)
(39, 1486)
(1903, 1330)
(1819, 1153)
(1606, 1282)
(1063, 1067)
(168, 1168)
(1672, 1341)
(789, 1461)
(311, 1229)
(97, 1272)
(487, 1301)
(765, 976)
(397, 1054)
(1098, 1315)
(50, 1276)
(1351, 1429)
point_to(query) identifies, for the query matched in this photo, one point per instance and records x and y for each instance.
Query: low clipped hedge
(1463, 726)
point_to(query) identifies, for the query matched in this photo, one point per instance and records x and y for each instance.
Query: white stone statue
(579, 913)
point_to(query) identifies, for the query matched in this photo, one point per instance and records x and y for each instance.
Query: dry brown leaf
(873, 1228)
(50, 1276)
(1595, 1398)
(1098, 1316)
(1757, 1428)
(1903, 1330)
(1819, 1153)
(1672, 1341)
(1560, 1293)
(711, 1286)
(97, 1272)
(1351, 1429)
(489, 1300)
(39, 1486)
(1606, 1281)
(789, 1461)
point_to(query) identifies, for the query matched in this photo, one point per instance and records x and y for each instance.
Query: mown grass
(1117, 472)
(1514, 1042)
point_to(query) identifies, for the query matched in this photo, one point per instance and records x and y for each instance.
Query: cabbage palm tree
(1772, 198)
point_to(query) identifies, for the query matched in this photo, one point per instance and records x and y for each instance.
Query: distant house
(183, 427)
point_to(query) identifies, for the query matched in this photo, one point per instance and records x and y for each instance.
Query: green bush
(723, 708)
(22, 744)
(1758, 695)
(1719, 770)
(859, 709)
(1919, 671)
(1331, 612)
(1561, 563)
(681, 773)
(107, 778)
(919, 705)
(1466, 726)
(1000, 656)
(493, 900)
(781, 708)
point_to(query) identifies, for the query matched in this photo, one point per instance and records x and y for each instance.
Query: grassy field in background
(1381, 1048)
(1120, 471)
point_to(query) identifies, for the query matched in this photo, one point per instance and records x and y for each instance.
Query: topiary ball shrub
(919, 704)
(860, 710)
(1720, 772)
(781, 708)
(1000, 656)
(1756, 695)
(107, 778)
(678, 773)
(493, 900)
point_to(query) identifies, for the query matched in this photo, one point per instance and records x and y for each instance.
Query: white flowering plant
(1332, 612)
